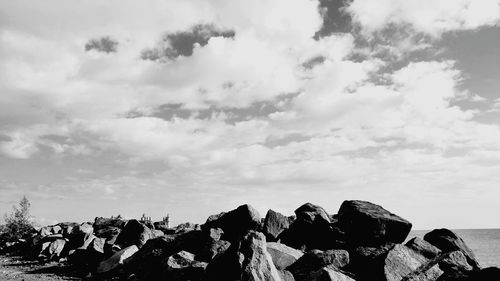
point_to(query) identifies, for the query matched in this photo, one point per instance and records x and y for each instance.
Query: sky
(195, 107)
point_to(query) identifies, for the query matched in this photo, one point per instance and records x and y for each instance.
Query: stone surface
(274, 224)
(365, 223)
(315, 260)
(402, 261)
(311, 229)
(447, 241)
(235, 223)
(183, 267)
(256, 263)
(328, 274)
(423, 247)
(56, 248)
(116, 260)
(282, 255)
(134, 233)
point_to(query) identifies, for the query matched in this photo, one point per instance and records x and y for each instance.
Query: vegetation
(19, 223)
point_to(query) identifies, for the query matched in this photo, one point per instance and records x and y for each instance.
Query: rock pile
(363, 242)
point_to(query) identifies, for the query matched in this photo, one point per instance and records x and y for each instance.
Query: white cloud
(427, 16)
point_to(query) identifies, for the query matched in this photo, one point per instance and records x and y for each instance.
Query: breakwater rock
(362, 242)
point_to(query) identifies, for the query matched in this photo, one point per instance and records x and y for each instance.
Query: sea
(485, 243)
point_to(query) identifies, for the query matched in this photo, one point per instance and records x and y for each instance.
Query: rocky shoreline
(362, 242)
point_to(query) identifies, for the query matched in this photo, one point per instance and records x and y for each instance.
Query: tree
(19, 222)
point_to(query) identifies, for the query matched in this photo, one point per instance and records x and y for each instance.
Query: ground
(15, 268)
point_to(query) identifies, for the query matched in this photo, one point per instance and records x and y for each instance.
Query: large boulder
(282, 255)
(211, 249)
(183, 267)
(402, 261)
(423, 247)
(315, 260)
(448, 241)
(55, 249)
(367, 262)
(256, 263)
(368, 224)
(235, 223)
(116, 260)
(134, 233)
(312, 229)
(274, 224)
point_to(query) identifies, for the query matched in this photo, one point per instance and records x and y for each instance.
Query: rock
(486, 274)
(134, 233)
(401, 261)
(312, 214)
(286, 275)
(367, 262)
(110, 233)
(186, 227)
(235, 223)
(45, 231)
(255, 261)
(182, 267)
(367, 224)
(89, 238)
(212, 249)
(454, 261)
(56, 248)
(97, 245)
(311, 230)
(116, 260)
(274, 224)
(328, 274)
(447, 241)
(423, 247)
(315, 260)
(149, 262)
(101, 222)
(56, 229)
(282, 255)
(84, 228)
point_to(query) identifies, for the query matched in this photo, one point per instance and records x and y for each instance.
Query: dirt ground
(15, 268)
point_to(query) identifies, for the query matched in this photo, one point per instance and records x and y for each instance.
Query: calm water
(484, 242)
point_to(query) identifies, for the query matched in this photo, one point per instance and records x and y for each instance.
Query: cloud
(104, 44)
(430, 17)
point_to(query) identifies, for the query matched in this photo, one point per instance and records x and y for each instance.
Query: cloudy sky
(194, 107)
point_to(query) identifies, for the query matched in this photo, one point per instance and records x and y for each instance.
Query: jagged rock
(367, 262)
(212, 249)
(328, 274)
(447, 241)
(88, 239)
(365, 223)
(274, 224)
(116, 260)
(45, 231)
(315, 260)
(148, 263)
(311, 230)
(401, 261)
(183, 267)
(312, 213)
(134, 233)
(282, 255)
(423, 247)
(97, 245)
(83, 228)
(454, 261)
(55, 249)
(235, 223)
(186, 227)
(255, 261)
(110, 233)
(56, 229)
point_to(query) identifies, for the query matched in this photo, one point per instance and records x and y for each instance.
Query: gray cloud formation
(103, 44)
(182, 43)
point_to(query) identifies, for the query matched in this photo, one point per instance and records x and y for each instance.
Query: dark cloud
(104, 44)
(335, 18)
(182, 43)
